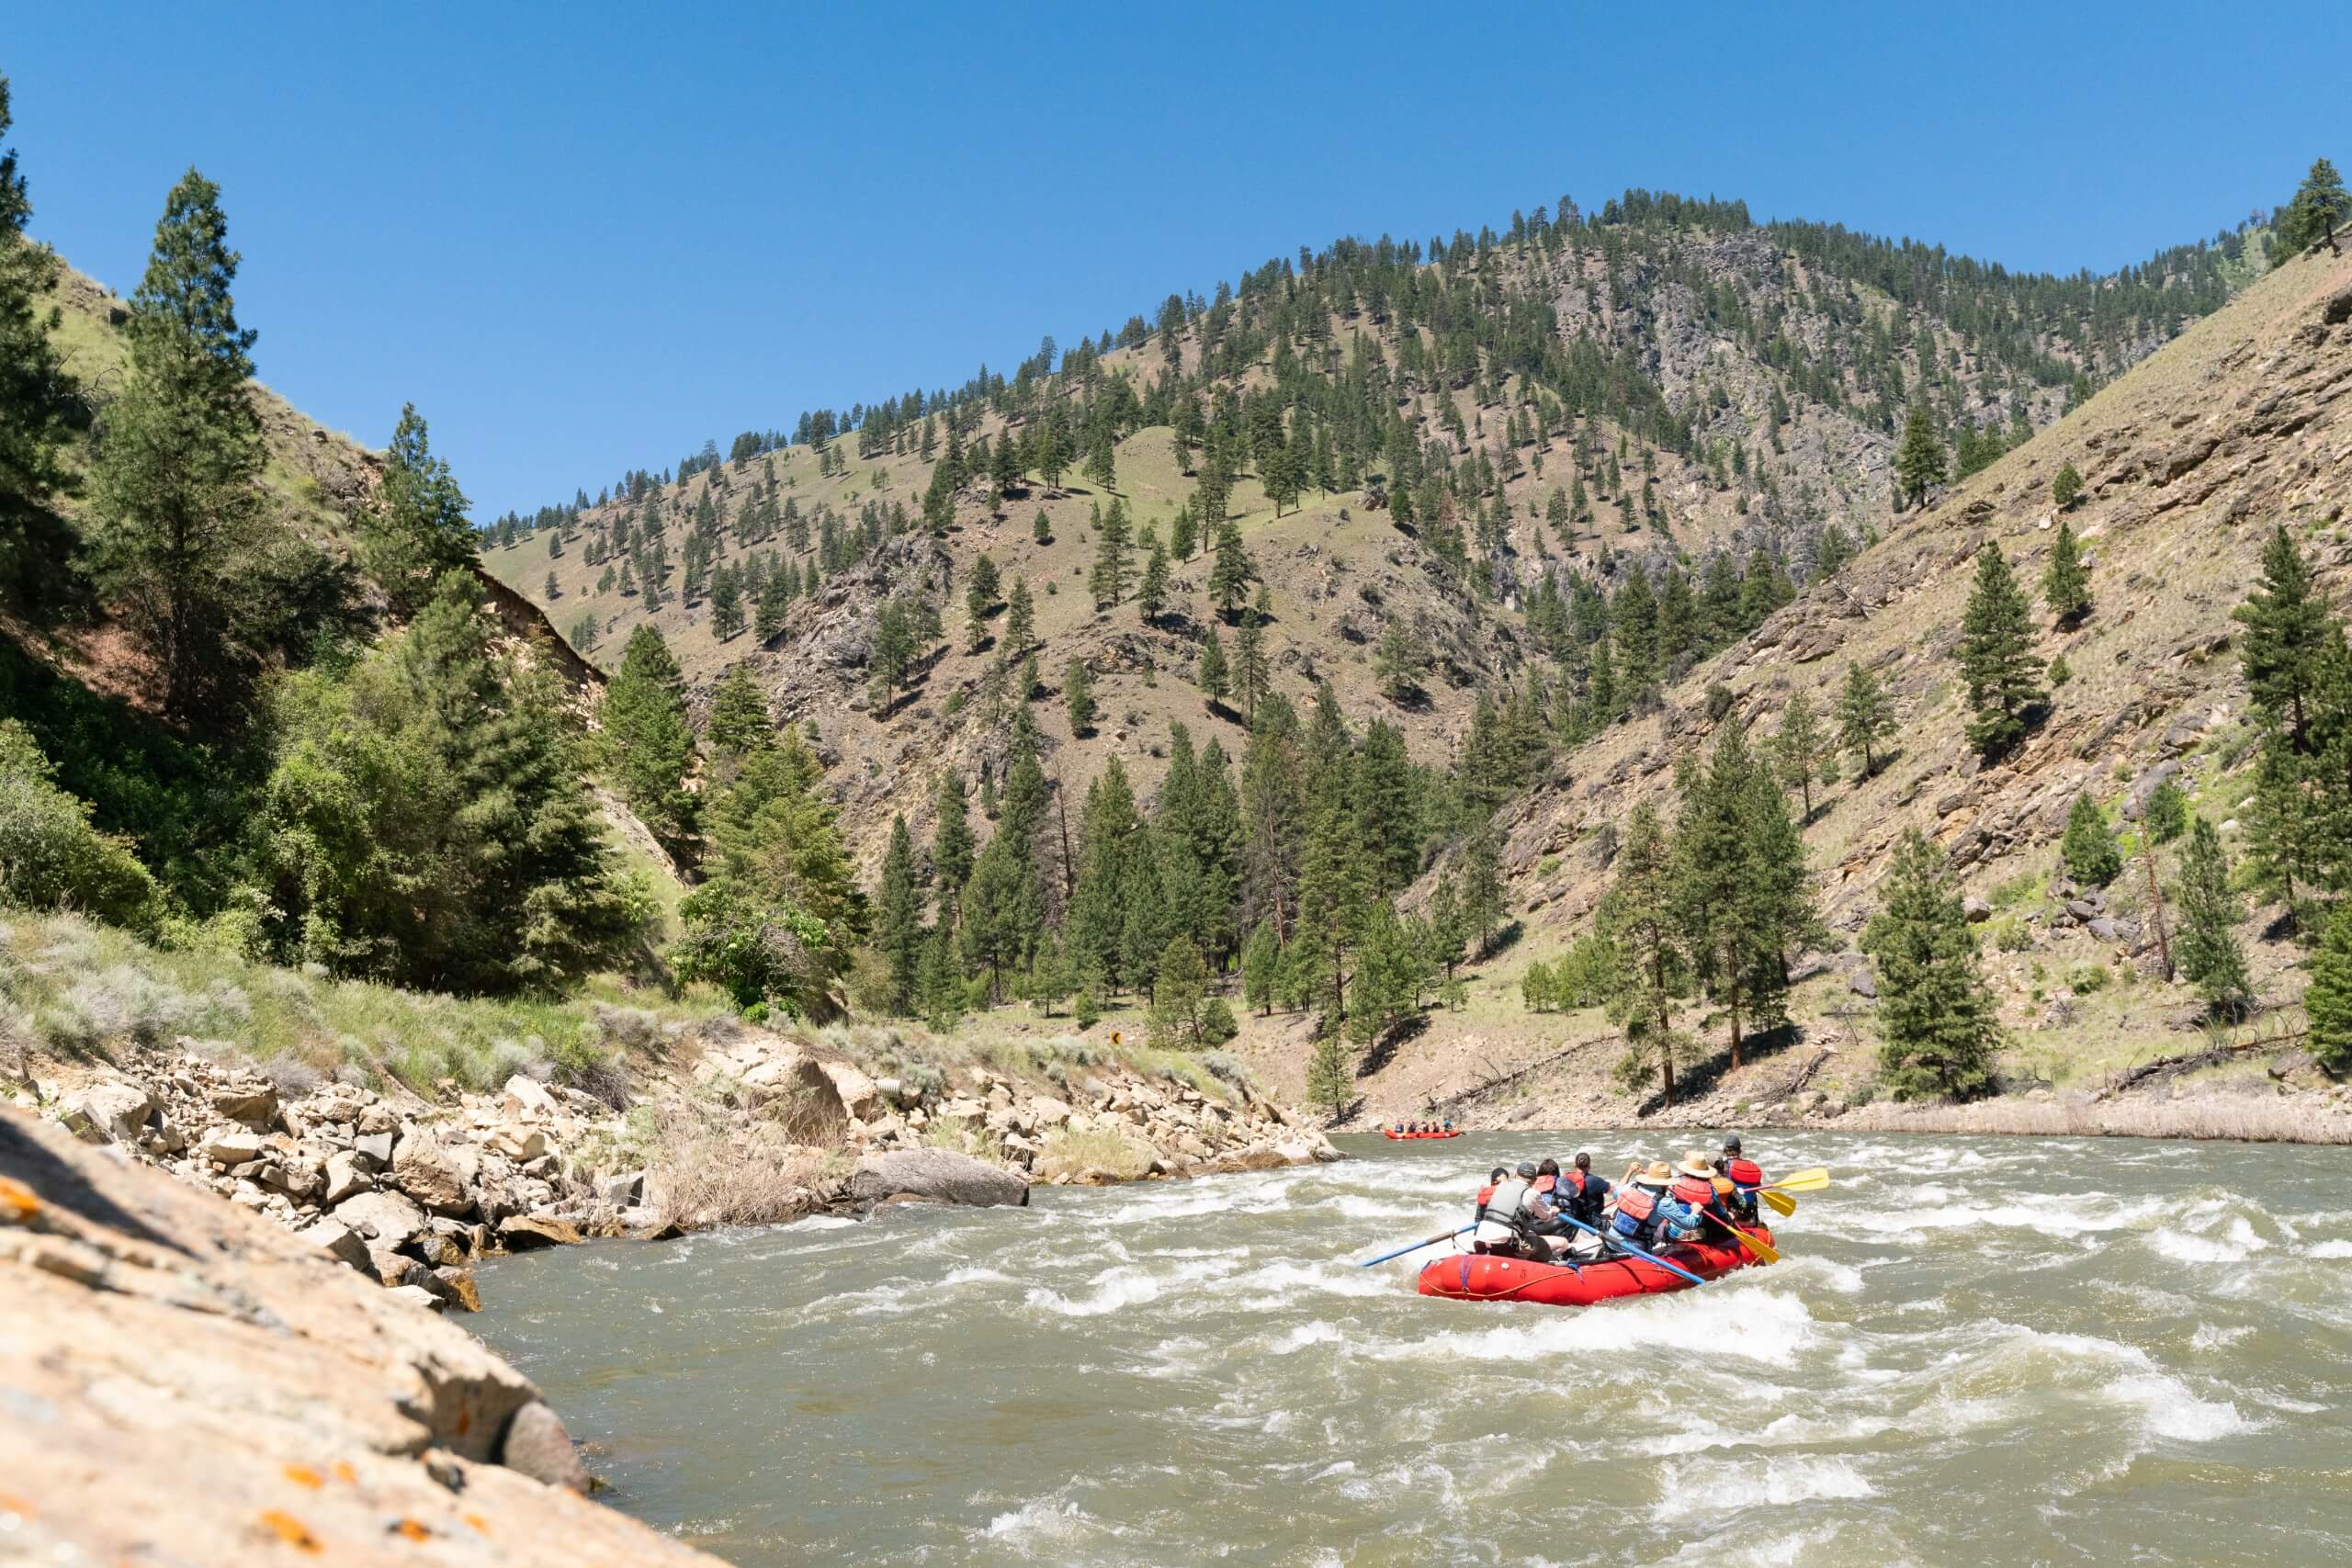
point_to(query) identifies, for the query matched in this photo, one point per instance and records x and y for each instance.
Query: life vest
(1745, 1173)
(1574, 1180)
(1697, 1191)
(1635, 1208)
(1498, 1218)
(1485, 1195)
(1546, 1183)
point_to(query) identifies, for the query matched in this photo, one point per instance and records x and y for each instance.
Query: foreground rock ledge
(182, 1381)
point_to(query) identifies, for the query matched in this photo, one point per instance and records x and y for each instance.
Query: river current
(1975, 1351)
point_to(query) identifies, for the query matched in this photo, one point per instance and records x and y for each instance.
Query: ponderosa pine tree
(1400, 660)
(1180, 1001)
(951, 846)
(1996, 656)
(415, 528)
(2327, 1000)
(1800, 752)
(1937, 1019)
(179, 514)
(726, 605)
(1330, 1076)
(2211, 956)
(1865, 715)
(647, 745)
(2286, 632)
(36, 406)
(1151, 594)
(1252, 674)
(1212, 677)
(1233, 571)
(1637, 917)
(2067, 487)
(1482, 887)
(1077, 695)
(740, 724)
(2318, 209)
(1041, 528)
(2066, 583)
(1108, 578)
(898, 918)
(1723, 921)
(1020, 619)
(2089, 848)
(1919, 460)
(1262, 958)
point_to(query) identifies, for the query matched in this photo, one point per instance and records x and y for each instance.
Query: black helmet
(1731, 1144)
(1527, 1171)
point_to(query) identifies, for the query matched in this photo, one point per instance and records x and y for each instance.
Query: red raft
(1393, 1133)
(1472, 1276)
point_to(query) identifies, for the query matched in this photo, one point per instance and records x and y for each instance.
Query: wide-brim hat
(1659, 1172)
(1695, 1164)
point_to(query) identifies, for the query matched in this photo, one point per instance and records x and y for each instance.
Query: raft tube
(1474, 1277)
(1392, 1132)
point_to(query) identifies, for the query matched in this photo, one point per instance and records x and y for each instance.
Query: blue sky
(585, 238)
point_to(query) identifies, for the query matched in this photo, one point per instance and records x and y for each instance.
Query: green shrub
(2085, 978)
(1217, 1022)
(50, 858)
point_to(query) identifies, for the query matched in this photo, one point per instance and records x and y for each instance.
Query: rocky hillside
(1662, 383)
(2245, 422)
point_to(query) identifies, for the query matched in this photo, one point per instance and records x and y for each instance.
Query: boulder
(253, 1105)
(439, 1176)
(108, 1112)
(518, 1143)
(385, 1217)
(528, 1233)
(939, 1176)
(340, 1242)
(377, 1146)
(860, 1096)
(223, 1148)
(622, 1191)
(416, 1296)
(1863, 983)
(527, 1097)
(537, 1445)
(347, 1177)
(1977, 910)
(794, 1091)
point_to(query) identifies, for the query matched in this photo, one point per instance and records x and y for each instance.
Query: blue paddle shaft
(1621, 1241)
(1416, 1246)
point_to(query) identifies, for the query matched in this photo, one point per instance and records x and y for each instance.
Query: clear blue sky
(584, 238)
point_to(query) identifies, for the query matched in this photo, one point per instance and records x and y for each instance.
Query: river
(1975, 1351)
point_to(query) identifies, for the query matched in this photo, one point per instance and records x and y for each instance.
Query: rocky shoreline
(733, 1126)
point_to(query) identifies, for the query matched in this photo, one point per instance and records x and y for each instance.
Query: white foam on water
(2237, 1244)
(2047, 1214)
(2214, 1335)
(2329, 1249)
(1766, 1327)
(1126, 1286)
(1775, 1485)
(973, 1274)
(823, 1222)
(1040, 1521)
(1272, 1285)
(2170, 1410)
(1306, 1333)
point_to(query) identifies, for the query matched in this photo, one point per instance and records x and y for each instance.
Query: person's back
(1641, 1205)
(1747, 1179)
(1503, 1219)
(1587, 1194)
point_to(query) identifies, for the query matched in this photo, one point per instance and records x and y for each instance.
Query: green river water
(1975, 1351)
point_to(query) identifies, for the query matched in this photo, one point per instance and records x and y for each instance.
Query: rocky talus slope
(749, 1126)
(185, 1382)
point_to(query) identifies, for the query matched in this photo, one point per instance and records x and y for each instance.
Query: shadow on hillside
(1702, 1078)
(1384, 1045)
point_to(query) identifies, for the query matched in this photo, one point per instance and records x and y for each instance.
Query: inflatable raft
(1473, 1277)
(1393, 1133)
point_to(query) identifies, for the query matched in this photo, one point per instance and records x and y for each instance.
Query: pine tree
(951, 846)
(36, 407)
(178, 507)
(740, 724)
(2066, 487)
(1151, 595)
(1261, 963)
(2088, 848)
(1996, 656)
(2066, 584)
(898, 918)
(1233, 573)
(1637, 917)
(1180, 1001)
(1482, 886)
(1400, 660)
(1212, 678)
(416, 528)
(1919, 460)
(2328, 1001)
(1331, 1072)
(1042, 528)
(1077, 693)
(2319, 207)
(1936, 1014)
(726, 605)
(1252, 675)
(1800, 750)
(1020, 619)
(1108, 580)
(2287, 631)
(647, 744)
(2167, 811)
(941, 985)
(1865, 716)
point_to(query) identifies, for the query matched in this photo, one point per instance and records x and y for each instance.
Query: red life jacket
(1693, 1190)
(1634, 1200)
(1575, 1176)
(1545, 1183)
(1486, 1193)
(1746, 1172)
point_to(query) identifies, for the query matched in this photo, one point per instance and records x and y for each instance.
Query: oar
(1814, 1180)
(1746, 1240)
(1782, 1202)
(1619, 1241)
(1442, 1235)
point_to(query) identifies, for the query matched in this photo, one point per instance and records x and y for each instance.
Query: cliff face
(185, 1382)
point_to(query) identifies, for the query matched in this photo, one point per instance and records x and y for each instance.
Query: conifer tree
(1865, 716)
(1042, 528)
(1330, 1080)
(942, 985)
(178, 507)
(898, 918)
(1151, 594)
(1482, 886)
(2327, 1000)
(2165, 811)
(951, 846)
(2066, 487)
(36, 408)
(647, 747)
(416, 528)
(1637, 917)
(1077, 693)
(1996, 656)
(2088, 848)
(1261, 963)
(2066, 584)
(1401, 659)
(2286, 633)
(1252, 675)
(1800, 749)
(1020, 619)
(726, 605)
(740, 724)
(1180, 1000)
(1212, 678)
(1937, 1019)
(2211, 956)
(1108, 580)
(1233, 573)
(1919, 460)
(2319, 207)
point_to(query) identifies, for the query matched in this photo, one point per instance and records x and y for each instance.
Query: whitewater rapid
(1980, 1351)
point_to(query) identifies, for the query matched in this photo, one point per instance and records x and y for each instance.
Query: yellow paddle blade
(1782, 1202)
(1761, 1249)
(1812, 1180)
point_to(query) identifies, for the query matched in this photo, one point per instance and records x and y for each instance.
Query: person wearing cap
(1746, 1179)
(1503, 1219)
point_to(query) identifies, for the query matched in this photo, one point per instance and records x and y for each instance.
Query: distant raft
(1475, 1276)
(1393, 1133)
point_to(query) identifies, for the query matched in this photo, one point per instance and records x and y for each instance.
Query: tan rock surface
(188, 1383)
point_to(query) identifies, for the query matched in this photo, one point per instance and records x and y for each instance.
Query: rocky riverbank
(727, 1126)
(185, 1381)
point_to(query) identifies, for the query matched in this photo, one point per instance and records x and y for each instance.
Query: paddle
(1442, 1235)
(1619, 1241)
(1814, 1180)
(1782, 1202)
(1746, 1240)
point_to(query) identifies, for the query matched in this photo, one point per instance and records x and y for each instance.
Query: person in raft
(1738, 1179)
(1579, 1194)
(1690, 1201)
(1641, 1203)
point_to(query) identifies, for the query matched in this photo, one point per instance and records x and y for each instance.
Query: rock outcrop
(185, 1381)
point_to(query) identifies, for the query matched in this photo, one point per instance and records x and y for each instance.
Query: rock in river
(939, 1176)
